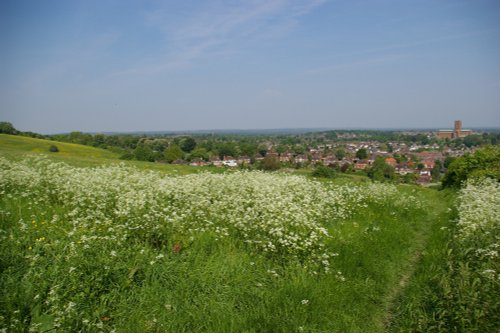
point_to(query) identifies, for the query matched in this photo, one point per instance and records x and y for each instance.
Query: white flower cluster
(479, 223)
(479, 207)
(279, 215)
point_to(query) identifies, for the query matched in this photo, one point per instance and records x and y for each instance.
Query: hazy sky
(118, 65)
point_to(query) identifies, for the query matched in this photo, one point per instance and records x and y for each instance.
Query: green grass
(212, 284)
(389, 256)
(220, 286)
(450, 290)
(18, 147)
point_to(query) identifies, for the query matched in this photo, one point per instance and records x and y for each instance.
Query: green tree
(80, 138)
(436, 170)
(281, 149)
(322, 171)
(7, 128)
(299, 149)
(227, 149)
(143, 153)
(262, 150)
(187, 143)
(173, 153)
(362, 154)
(448, 160)
(473, 140)
(381, 171)
(340, 153)
(199, 152)
(270, 163)
(248, 149)
(484, 162)
(331, 135)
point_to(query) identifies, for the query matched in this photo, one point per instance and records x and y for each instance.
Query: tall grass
(457, 287)
(117, 249)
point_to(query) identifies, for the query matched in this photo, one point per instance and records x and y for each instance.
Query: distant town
(409, 156)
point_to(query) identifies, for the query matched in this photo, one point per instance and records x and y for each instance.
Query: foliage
(362, 153)
(7, 128)
(186, 143)
(381, 171)
(340, 153)
(484, 162)
(448, 160)
(199, 152)
(436, 170)
(456, 287)
(173, 153)
(53, 149)
(270, 163)
(143, 153)
(322, 171)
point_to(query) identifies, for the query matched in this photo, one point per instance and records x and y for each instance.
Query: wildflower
(304, 302)
(177, 248)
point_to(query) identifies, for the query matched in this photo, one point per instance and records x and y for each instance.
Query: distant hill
(270, 131)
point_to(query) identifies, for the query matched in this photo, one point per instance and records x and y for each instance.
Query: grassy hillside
(17, 147)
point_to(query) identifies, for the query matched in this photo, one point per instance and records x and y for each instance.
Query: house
(391, 161)
(301, 159)
(428, 164)
(215, 161)
(361, 165)
(286, 157)
(198, 162)
(316, 158)
(243, 160)
(329, 160)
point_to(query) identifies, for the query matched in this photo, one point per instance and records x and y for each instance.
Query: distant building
(457, 132)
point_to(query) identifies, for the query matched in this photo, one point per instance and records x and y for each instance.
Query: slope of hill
(18, 147)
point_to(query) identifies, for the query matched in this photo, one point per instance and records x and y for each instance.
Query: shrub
(483, 163)
(53, 149)
(7, 128)
(270, 163)
(324, 172)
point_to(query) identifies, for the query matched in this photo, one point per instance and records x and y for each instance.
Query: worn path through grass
(438, 207)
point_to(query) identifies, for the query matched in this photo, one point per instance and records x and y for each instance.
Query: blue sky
(121, 65)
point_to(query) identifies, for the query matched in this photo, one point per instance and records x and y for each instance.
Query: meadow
(103, 246)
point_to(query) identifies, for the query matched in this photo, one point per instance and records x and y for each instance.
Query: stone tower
(458, 129)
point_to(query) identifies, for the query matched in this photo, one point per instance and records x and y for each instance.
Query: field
(91, 244)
